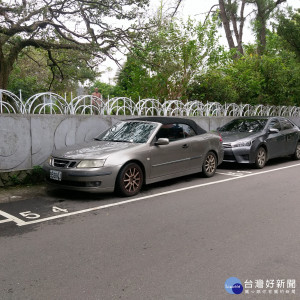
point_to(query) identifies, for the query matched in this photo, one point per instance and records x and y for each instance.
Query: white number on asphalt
(29, 215)
(58, 209)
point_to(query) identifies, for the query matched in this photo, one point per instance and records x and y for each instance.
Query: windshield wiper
(121, 141)
(117, 141)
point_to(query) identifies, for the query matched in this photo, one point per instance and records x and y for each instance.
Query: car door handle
(185, 146)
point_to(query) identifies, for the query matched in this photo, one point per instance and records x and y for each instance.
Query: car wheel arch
(296, 153)
(263, 145)
(139, 163)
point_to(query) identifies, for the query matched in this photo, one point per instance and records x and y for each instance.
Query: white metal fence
(50, 103)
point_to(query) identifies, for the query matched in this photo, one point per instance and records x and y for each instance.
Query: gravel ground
(17, 193)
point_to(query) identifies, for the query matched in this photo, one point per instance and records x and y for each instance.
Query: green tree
(168, 58)
(289, 30)
(33, 72)
(273, 78)
(232, 16)
(77, 25)
(264, 10)
(29, 74)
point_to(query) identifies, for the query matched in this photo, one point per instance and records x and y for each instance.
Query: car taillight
(221, 140)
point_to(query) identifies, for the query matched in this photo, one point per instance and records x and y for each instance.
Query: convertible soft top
(168, 120)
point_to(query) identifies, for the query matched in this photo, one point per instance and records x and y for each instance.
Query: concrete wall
(28, 140)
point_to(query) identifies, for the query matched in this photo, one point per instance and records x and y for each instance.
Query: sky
(197, 9)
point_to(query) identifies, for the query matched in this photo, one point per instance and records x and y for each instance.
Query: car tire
(260, 158)
(209, 166)
(130, 180)
(297, 152)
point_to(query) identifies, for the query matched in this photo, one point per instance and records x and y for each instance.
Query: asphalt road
(180, 239)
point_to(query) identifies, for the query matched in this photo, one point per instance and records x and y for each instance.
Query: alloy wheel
(261, 158)
(209, 165)
(132, 180)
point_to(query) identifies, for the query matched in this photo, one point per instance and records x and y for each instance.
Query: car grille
(227, 145)
(88, 184)
(229, 156)
(62, 163)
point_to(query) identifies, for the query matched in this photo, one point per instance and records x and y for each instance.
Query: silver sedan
(136, 152)
(255, 140)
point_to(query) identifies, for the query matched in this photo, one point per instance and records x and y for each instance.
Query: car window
(173, 132)
(244, 125)
(130, 132)
(188, 131)
(286, 124)
(274, 123)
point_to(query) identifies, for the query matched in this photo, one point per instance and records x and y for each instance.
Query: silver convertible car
(136, 152)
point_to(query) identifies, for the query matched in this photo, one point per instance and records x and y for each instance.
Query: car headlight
(50, 160)
(91, 163)
(242, 144)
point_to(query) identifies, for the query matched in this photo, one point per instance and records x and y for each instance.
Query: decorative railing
(50, 103)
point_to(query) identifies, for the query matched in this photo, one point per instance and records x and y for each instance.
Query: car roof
(169, 120)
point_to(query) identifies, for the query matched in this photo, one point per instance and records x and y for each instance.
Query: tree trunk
(241, 29)
(5, 70)
(261, 26)
(262, 37)
(226, 25)
(264, 10)
(6, 65)
(4, 74)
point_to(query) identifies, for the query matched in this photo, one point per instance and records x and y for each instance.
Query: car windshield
(244, 125)
(129, 132)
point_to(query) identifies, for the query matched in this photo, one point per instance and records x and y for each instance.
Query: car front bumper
(94, 180)
(240, 155)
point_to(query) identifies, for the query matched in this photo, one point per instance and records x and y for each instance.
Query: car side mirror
(162, 141)
(273, 130)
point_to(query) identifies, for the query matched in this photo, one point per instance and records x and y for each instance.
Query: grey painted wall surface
(28, 140)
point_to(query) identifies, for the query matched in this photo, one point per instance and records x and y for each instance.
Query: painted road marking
(56, 209)
(237, 173)
(152, 196)
(10, 217)
(19, 222)
(230, 174)
(5, 221)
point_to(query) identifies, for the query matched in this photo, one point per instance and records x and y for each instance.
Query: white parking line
(229, 174)
(5, 221)
(10, 218)
(22, 223)
(237, 173)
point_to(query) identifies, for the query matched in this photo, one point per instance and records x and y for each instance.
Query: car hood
(229, 137)
(93, 150)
